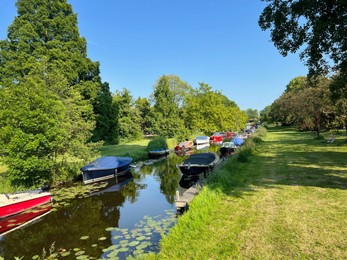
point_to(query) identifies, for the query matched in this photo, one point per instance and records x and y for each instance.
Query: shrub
(157, 143)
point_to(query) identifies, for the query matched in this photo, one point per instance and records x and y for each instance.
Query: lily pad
(102, 238)
(65, 253)
(134, 243)
(79, 253)
(84, 237)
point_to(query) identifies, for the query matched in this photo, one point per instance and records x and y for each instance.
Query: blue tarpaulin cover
(107, 162)
(237, 141)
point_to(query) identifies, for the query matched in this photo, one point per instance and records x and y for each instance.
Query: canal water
(127, 217)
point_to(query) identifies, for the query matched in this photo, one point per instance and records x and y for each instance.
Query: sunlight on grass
(287, 202)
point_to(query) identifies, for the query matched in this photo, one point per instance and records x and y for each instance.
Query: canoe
(104, 168)
(12, 204)
(199, 163)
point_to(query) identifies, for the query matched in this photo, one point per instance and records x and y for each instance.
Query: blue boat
(106, 167)
(237, 141)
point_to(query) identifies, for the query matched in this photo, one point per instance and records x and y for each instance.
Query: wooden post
(177, 195)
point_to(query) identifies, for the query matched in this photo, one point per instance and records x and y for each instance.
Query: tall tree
(44, 64)
(129, 120)
(42, 133)
(144, 107)
(106, 113)
(166, 111)
(47, 30)
(208, 111)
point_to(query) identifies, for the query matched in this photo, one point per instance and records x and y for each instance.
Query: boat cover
(107, 162)
(201, 158)
(237, 141)
(229, 144)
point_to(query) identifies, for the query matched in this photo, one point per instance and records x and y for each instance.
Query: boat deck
(7, 199)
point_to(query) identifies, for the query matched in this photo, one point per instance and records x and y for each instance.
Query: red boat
(217, 138)
(15, 221)
(12, 204)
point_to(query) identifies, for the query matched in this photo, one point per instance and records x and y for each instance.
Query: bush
(157, 143)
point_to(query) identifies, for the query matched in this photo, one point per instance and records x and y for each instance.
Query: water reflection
(127, 217)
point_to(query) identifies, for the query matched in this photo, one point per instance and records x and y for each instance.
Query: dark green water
(127, 218)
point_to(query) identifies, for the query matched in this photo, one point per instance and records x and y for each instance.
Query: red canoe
(12, 204)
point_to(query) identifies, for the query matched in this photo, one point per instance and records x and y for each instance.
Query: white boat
(199, 140)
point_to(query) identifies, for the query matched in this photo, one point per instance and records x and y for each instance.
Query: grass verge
(288, 201)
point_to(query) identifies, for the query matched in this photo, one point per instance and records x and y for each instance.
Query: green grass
(287, 202)
(137, 150)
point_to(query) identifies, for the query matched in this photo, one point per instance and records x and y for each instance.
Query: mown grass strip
(288, 201)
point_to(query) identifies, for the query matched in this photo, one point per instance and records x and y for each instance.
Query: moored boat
(227, 148)
(199, 163)
(238, 141)
(217, 138)
(12, 204)
(153, 154)
(23, 218)
(105, 167)
(184, 148)
(202, 140)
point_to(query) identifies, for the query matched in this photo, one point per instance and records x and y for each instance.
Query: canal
(127, 217)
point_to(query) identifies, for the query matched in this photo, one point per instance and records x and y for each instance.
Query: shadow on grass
(326, 169)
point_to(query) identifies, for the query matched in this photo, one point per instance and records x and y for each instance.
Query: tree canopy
(316, 28)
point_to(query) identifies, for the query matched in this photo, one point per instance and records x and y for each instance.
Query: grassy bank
(288, 201)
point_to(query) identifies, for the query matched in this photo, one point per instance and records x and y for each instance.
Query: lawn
(136, 150)
(287, 202)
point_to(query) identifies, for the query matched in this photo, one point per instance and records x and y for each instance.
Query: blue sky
(216, 42)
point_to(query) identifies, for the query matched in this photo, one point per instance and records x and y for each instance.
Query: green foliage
(106, 117)
(129, 120)
(319, 27)
(157, 143)
(252, 114)
(308, 107)
(41, 126)
(165, 118)
(245, 151)
(209, 111)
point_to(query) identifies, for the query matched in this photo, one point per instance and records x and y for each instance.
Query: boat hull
(101, 175)
(104, 168)
(19, 220)
(158, 153)
(15, 206)
(199, 163)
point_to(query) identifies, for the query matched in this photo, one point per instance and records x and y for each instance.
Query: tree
(129, 119)
(144, 107)
(47, 30)
(42, 133)
(106, 117)
(265, 114)
(306, 107)
(319, 27)
(252, 114)
(208, 111)
(167, 120)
